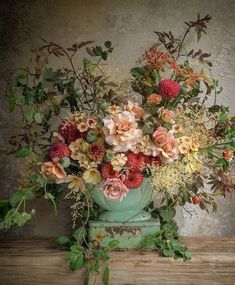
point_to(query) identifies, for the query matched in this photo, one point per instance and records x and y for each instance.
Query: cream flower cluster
(118, 161)
(145, 145)
(121, 131)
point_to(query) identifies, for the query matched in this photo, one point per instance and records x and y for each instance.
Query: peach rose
(154, 99)
(228, 154)
(121, 131)
(114, 189)
(53, 171)
(167, 145)
(166, 115)
(135, 109)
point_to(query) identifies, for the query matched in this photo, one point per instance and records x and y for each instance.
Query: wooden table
(41, 262)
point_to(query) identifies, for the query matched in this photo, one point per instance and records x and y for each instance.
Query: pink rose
(167, 145)
(53, 171)
(114, 189)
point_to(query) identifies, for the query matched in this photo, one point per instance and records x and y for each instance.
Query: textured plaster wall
(130, 25)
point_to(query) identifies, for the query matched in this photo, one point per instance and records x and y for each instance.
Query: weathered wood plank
(39, 262)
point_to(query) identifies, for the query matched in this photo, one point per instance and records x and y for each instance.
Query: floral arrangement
(163, 128)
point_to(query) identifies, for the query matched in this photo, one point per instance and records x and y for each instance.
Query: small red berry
(197, 199)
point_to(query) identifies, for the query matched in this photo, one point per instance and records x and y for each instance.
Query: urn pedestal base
(129, 234)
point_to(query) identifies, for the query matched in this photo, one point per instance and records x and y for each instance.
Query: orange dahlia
(133, 179)
(96, 151)
(135, 161)
(107, 171)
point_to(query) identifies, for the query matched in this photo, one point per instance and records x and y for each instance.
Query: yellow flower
(78, 147)
(167, 178)
(92, 176)
(75, 182)
(176, 129)
(114, 109)
(118, 161)
(192, 163)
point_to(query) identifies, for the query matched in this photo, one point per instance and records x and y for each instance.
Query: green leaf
(223, 117)
(80, 235)
(210, 152)
(151, 205)
(108, 44)
(148, 130)
(11, 99)
(188, 255)
(47, 115)
(167, 213)
(49, 196)
(23, 152)
(183, 90)
(21, 79)
(104, 55)
(113, 244)
(150, 90)
(76, 258)
(38, 118)
(63, 240)
(41, 180)
(30, 112)
(5, 206)
(138, 71)
(150, 240)
(97, 50)
(168, 252)
(49, 74)
(28, 194)
(16, 198)
(21, 218)
(223, 163)
(155, 75)
(79, 93)
(28, 95)
(106, 275)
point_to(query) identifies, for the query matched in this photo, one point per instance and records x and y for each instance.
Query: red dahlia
(133, 179)
(107, 171)
(152, 160)
(169, 88)
(59, 150)
(68, 130)
(135, 161)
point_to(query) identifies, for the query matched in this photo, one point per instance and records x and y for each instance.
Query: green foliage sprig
(83, 255)
(166, 241)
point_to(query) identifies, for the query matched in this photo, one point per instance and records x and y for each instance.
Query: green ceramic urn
(129, 209)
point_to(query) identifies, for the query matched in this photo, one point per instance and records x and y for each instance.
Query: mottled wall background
(130, 25)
